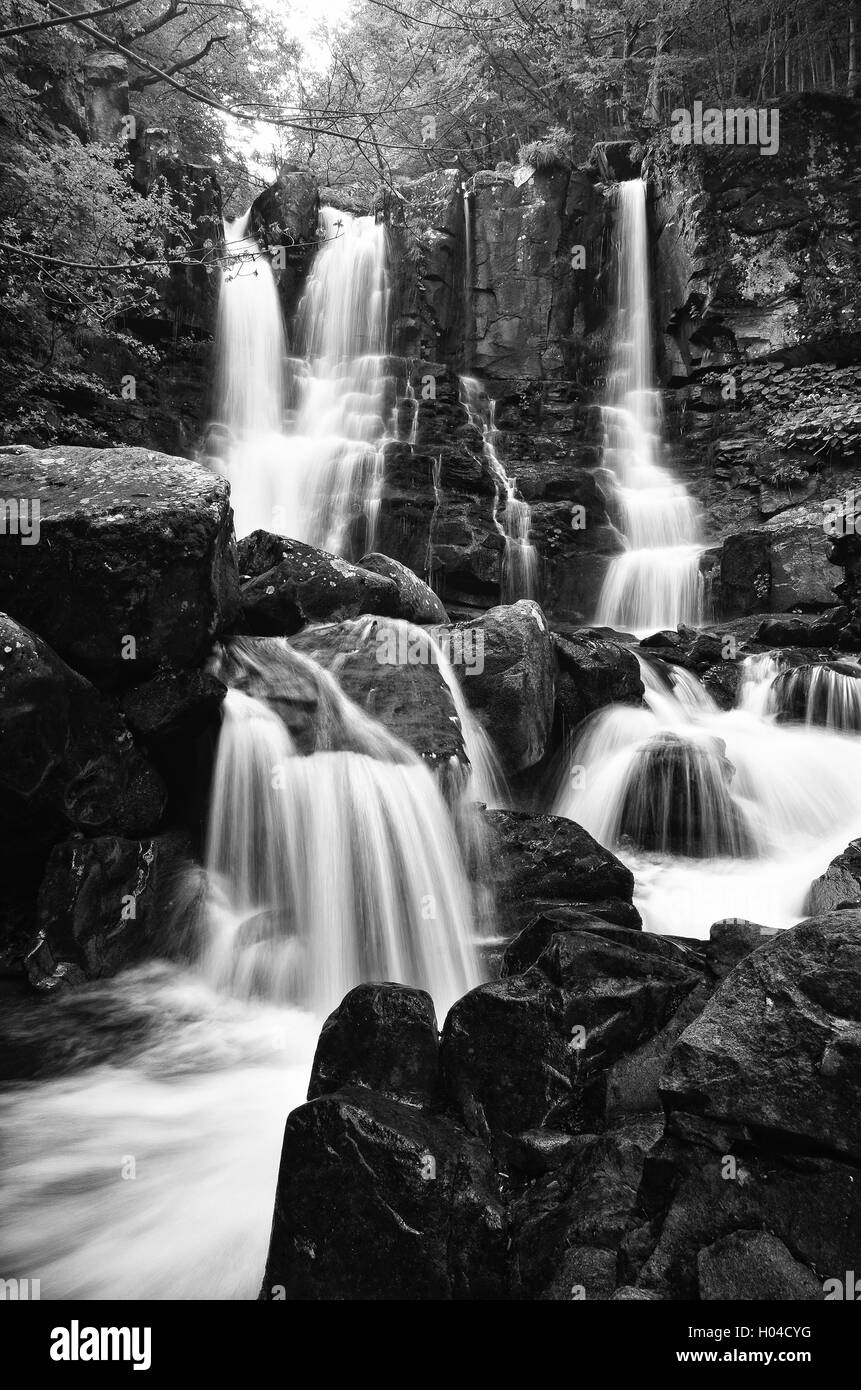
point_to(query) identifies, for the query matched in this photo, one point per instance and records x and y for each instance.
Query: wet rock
(677, 799)
(529, 943)
(418, 602)
(549, 861)
(569, 1230)
(383, 1037)
(775, 1053)
(592, 673)
(377, 1200)
(103, 905)
(513, 693)
(823, 692)
(134, 564)
(840, 886)
(753, 1265)
(744, 576)
(534, 1049)
(68, 761)
(730, 940)
(801, 574)
(292, 583)
(173, 704)
(409, 697)
(795, 631)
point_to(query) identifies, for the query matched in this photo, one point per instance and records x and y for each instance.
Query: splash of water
(791, 803)
(312, 472)
(520, 567)
(655, 582)
(333, 868)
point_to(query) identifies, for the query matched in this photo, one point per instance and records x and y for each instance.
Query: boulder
(174, 704)
(377, 1200)
(549, 862)
(383, 1037)
(134, 563)
(775, 1053)
(68, 761)
(291, 583)
(744, 576)
(533, 1050)
(822, 630)
(752, 1266)
(372, 661)
(730, 940)
(514, 692)
(591, 673)
(802, 576)
(418, 602)
(840, 885)
(103, 905)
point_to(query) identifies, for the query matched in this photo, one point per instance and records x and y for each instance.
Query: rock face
(133, 565)
(549, 861)
(103, 905)
(513, 694)
(377, 1200)
(68, 761)
(383, 1037)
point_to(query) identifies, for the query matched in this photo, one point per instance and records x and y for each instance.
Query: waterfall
(519, 578)
(328, 869)
(468, 268)
(829, 695)
(719, 813)
(655, 582)
(311, 471)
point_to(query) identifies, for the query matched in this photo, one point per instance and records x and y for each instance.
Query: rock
(383, 1037)
(67, 758)
(550, 861)
(134, 564)
(103, 904)
(514, 692)
(106, 96)
(793, 631)
(677, 799)
(569, 1229)
(776, 1051)
(592, 673)
(701, 1191)
(418, 602)
(840, 885)
(752, 1266)
(730, 940)
(292, 583)
(285, 215)
(744, 576)
(529, 943)
(377, 1200)
(801, 574)
(173, 704)
(410, 698)
(533, 1050)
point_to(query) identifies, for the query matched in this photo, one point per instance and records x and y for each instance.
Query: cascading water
(520, 567)
(655, 582)
(767, 804)
(311, 471)
(332, 868)
(825, 694)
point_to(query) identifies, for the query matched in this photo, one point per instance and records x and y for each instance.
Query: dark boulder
(105, 904)
(550, 861)
(840, 885)
(754, 1265)
(134, 564)
(381, 1036)
(775, 1053)
(745, 574)
(291, 583)
(593, 672)
(513, 693)
(418, 602)
(379, 1201)
(677, 799)
(174, 704)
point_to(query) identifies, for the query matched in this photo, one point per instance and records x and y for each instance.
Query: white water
(796, 790)
(301, 441)
(828, 696)
(329, 869)
(520, 568)
(655, 583)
